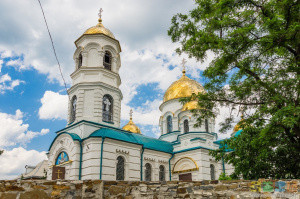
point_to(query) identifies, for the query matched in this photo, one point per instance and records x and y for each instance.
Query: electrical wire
(54, 49)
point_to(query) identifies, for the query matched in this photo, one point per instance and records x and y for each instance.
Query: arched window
(206, 125)
(73, 109)
(120, 168)
(185, 126)
(107, 60)
(148, 172)
(61, 158)
(107, 108)
(212, 172)
(161, 173)
(80, 60)
(169, 124)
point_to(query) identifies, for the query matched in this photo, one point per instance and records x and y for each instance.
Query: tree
(1, 151)
(256, 68)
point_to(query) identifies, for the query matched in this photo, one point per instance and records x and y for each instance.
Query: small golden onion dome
(130, 126)
(190, 106)
(184, 87)
(99, 29)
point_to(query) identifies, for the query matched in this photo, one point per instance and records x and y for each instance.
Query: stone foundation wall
(35, 189)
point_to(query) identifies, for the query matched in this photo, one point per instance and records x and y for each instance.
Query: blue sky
(33, 101)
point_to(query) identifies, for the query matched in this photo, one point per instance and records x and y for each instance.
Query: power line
(54, 50)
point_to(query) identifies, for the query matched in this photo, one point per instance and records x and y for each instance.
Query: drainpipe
(223, 164)
(101, 156)
(80, 160)
(170, 166)
(142, 154)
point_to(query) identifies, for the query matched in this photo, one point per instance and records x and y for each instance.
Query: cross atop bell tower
(95, 94)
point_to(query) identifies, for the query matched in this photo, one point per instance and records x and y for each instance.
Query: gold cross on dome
(100, 13)
(183, 63)
(130, 113)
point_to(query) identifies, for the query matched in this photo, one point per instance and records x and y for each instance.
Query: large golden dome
(238, 127)
(190, 106)
(184, 87)
(99, 29)
(130, 126)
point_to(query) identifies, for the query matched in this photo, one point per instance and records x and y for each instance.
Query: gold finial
(100, 15)
(183, 65)
(130, 114)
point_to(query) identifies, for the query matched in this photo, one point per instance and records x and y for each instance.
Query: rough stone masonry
(40, 189)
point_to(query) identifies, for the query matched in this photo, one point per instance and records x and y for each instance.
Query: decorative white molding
(149, 159)
(122, 151)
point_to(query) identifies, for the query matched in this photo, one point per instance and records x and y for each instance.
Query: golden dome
(99, 29)
(184, 87)
(130, 126)
(190, 106)
(238, 127)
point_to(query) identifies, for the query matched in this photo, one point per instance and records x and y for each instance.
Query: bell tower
(95, 95)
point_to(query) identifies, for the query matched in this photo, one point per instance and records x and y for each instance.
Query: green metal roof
(147, 142)
(73, 136)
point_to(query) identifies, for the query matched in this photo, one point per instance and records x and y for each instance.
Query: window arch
(80, 60)
(206, 125)
(185, 126)
(120, 169)
(73, 108)
(169, 124)
(107, 60)
(148, 172)
(212, 172)
(107, 108)
(161, 173)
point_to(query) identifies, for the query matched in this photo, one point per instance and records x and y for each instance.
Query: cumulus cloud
(14, 161)
(54, 106)
(1, 62)
(6, 83)
(14, 131)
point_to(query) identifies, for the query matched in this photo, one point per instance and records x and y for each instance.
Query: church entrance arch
(185, 164)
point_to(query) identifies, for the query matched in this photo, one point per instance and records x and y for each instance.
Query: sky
(33, 100)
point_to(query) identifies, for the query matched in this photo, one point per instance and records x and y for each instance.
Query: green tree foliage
(256, 68)
(223, 176)
(1, 151)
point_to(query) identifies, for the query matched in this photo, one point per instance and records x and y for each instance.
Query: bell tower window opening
(148, 172)
(169, 124)
(161, 173)
(120, 168)
(80, 60)
(212, 172)
(73, 109)
(107, 60)
(185, 126)
(206, 125)
(107, 108)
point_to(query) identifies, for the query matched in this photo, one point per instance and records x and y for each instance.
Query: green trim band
(101, 157)
(142, 155)
(170, 173)
(80, 161)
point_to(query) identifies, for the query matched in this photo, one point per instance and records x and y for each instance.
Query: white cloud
(1, 62)
(54, 106)
(6, 83)
(14, 161)
(14, 131)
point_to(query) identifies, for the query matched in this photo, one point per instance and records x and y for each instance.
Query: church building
(93, 146)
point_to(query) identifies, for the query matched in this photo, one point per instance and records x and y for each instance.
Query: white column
(101, 55)
(84, 59)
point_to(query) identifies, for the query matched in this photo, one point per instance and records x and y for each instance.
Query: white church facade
(93, 146)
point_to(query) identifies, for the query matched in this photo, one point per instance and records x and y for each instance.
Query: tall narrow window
(169, 124)
(120, 168)
(73, 109)
(107, 60)
(206, 125)
(186, 126)
(212, 172)
(107, 108)
(147, 172)
(80, 60)
(161, 173)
